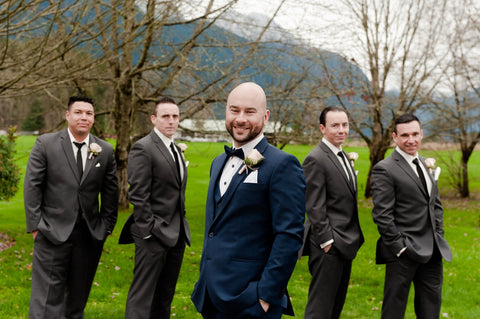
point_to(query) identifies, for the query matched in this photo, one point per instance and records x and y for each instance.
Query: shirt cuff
(325, 244)
(401, 251)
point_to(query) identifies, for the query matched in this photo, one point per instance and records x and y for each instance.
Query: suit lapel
(215, 172)
(335, 161)
(166, 154)
(237, 179)
(182, 160)
(184, 180)
(405, 166)
(432, 180)
(352, 183)
(68, 151)
(89, 162)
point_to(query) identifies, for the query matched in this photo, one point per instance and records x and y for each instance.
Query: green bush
(9, 171)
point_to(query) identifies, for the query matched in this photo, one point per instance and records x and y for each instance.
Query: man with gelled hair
(67, 172)
(332, 232)
(409, 217)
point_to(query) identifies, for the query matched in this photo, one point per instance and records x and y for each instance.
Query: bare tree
(153, 48)
(457, 115)
(398, 47)
(36, 36)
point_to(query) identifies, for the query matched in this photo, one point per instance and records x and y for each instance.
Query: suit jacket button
(211, 234)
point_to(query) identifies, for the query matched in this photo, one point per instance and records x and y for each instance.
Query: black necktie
(175, 156)
(79, 158)
(420, 174)
(234, 152)
(347, 168)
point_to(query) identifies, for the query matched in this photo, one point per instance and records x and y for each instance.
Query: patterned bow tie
(234, 152)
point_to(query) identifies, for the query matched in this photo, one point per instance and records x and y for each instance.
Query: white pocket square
(98, 165)
(252, 178)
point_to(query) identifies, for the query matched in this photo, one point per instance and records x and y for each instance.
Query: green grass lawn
(461, 293)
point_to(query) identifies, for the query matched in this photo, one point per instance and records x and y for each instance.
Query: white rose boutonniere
(252, 161)
(353, 156)
(183, 148)
(94, 150)
(430, 162)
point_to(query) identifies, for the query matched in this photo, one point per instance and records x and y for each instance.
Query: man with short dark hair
(332, 232)
(409, 217)
(157, 175)
(66, 173)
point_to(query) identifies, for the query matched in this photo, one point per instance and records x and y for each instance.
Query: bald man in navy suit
(254, 219)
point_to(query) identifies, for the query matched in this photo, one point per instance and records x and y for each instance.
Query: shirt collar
(332, 147)
(164, 139)
(247, 148)
(409, 158)
(72, 139)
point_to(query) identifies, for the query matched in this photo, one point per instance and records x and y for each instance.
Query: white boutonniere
(183, 148)
(94, 149)
(353, 156)
(252, 161)
(430, 163)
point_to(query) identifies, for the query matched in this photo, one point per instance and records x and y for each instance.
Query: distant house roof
(217, 126)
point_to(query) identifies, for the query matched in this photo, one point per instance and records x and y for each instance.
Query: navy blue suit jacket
(252, 234)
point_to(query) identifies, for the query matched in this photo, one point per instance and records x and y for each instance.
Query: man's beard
(249, 137)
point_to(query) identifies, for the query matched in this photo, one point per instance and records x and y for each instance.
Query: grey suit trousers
(71, 264)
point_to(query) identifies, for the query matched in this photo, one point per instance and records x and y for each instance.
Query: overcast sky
(325, 24)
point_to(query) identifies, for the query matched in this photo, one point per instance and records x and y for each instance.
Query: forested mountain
(290, 71)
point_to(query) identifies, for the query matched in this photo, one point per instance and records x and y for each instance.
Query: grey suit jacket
(53, 192)
(405, 215)
(331, 203)
(156, 192)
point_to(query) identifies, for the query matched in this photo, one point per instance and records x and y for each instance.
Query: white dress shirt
(167, 142)
(84, 148)
(234, 163)
(409, 158)
(335, 150)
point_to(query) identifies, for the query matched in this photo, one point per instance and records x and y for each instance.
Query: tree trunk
(123, 118)
(377, 153)
(378, 146)
(464, 188)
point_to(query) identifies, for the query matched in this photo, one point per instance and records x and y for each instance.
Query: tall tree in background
(457, 115)
(398, 46)
(30, 52)
(161, 48)
(36, 36)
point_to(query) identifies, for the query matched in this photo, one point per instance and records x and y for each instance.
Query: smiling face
(408, 137)
(336, 127)
(246, 113)
(80, 118)
(166, 118)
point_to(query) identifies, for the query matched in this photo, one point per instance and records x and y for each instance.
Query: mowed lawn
(461, 293)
